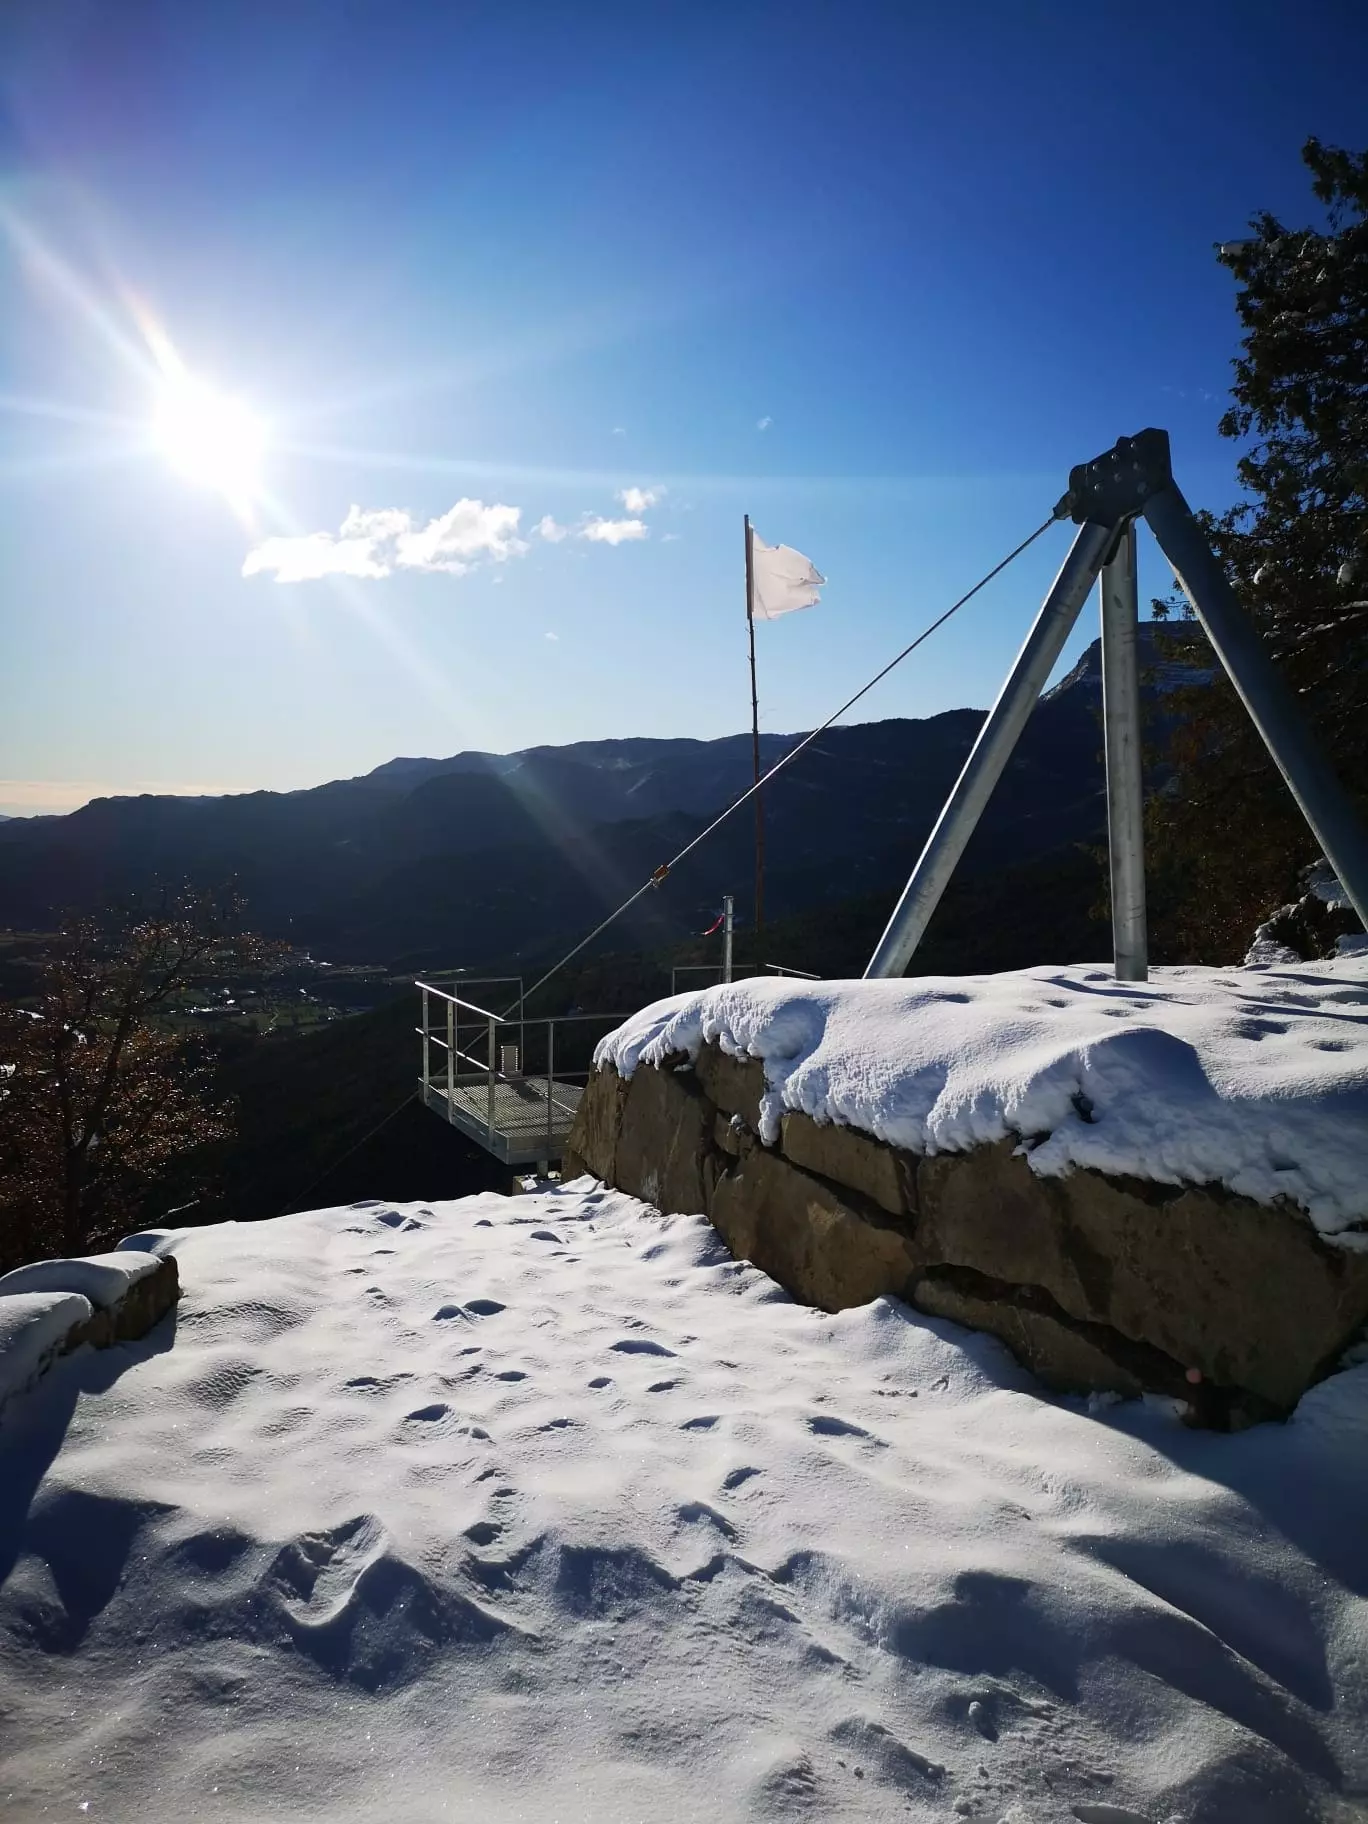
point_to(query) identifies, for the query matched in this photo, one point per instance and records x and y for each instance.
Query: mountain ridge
(477, 854)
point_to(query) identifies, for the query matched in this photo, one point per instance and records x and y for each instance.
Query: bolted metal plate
(1118, 484)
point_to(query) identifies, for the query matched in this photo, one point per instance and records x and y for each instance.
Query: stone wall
(1095, 1283)
(54, 1306)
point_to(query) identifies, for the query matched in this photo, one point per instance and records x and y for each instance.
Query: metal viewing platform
(510, 1083)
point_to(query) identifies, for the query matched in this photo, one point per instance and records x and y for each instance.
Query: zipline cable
(332, 1165)
(665, 868)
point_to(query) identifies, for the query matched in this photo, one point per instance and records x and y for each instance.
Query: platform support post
(493, 1072)
(550, 1080)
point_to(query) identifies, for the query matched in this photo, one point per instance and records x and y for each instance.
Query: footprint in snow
(510, 1374)
(693, 1511)
(441, 1315)
(735, 1477)
(483, 1532)
(429, 1414)
(827, 1426)
(705, 1423)
(1091, 1812)
(370, 1383)
(601, 1380)
(634, 1345)
(391, 1219)
(663, 1386)
(484, 1223)
(545, 1235)
(484, 1307)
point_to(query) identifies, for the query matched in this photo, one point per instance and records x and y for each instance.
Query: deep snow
(33, 1326)
(545, 1509)
(1253, 1078)
(102, 1278)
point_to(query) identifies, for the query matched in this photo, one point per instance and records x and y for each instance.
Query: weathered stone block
(665, 1136)
(1247, 1295)
(735, 1085)
(143, 1305)
(799, 1230)
(884, 1175)
(592, 1142)
(1060, 1355)
(988, 1210)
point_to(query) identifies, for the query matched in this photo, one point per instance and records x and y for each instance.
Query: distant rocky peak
(1158, 670)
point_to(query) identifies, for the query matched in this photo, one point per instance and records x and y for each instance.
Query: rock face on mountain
(1097, 1284)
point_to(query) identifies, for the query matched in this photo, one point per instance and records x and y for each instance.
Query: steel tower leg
(992, 750)
(1125, 782)
(1272, 707)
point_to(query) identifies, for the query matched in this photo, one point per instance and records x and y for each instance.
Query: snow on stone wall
(1255, 1078)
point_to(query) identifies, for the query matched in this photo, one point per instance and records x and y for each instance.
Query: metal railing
(740, 973)
(516, 1096)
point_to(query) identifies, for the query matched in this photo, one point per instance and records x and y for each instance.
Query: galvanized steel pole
(1273, 709)
(726, 937)
(1125, 781)
(493, 1041)
(992, 750)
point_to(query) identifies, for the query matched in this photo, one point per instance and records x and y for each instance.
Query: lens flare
(210, 440)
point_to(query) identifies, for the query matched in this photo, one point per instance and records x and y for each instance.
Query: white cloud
(619, 430)
(612, 531)
(461, 536)
(379, 522)
(548, 529)
(638, 500)
(304, 560)
(763, 424)
(551, 636)
(374, 542)
(670, 538)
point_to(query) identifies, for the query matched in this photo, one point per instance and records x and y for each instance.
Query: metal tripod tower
(1105, 498)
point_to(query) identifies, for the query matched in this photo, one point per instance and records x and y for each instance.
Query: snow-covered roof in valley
(546, 1508)
(1253, 1078)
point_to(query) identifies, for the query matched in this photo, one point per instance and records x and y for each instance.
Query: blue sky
(878, 275)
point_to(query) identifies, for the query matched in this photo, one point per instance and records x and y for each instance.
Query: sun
(209, 439)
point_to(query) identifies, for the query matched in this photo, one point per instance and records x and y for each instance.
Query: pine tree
(1229, 841)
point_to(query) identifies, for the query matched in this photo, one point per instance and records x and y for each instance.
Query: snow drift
(546, 1508)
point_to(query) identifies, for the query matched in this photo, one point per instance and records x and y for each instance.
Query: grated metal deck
(524, 1130)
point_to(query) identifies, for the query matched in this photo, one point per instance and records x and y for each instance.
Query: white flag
(782, 579)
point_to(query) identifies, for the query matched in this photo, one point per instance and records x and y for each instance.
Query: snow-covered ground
(545, 1509)
(1254, 1078)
